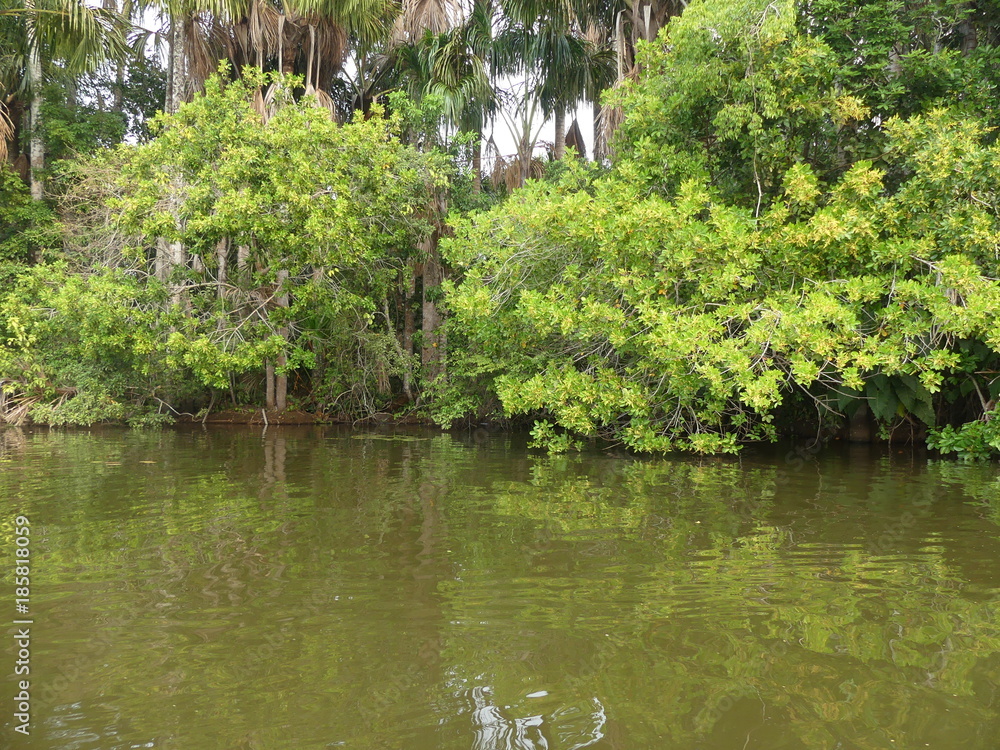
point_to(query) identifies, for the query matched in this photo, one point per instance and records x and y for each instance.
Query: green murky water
(321, 588)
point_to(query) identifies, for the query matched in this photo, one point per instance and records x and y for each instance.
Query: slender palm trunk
(477, 163)
(409, 325)
(171, 255)
(281, 378)
(600, 143)
(118, 92)
(178, 84)
(559, 150)
(36, 146)
(269, 386)
(169, 94)
(432, 354)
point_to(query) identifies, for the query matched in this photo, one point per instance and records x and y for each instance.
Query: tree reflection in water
(192, 576)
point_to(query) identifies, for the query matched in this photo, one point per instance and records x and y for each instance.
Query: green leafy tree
(738, 98)
(297, 228)
(78, 349)
(27, 227)
(730, 265)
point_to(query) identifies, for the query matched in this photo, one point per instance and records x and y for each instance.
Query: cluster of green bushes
(800, 221)
(234, 248)
(774, 238)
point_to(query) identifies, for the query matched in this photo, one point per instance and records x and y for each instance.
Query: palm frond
(207, 39)
(79, 36)
(6, 130)
(366, 21)
(422, 16)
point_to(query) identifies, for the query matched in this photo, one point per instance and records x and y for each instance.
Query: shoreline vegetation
(789, 223)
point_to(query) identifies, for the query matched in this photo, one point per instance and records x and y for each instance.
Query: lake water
(323, 588)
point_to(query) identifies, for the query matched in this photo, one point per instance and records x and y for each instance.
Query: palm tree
(419, 17)
(614, 27)
(440, 49)
(544, 43)
(643, 20)
(306, 37)
(38, 34)
(576, 68)
(455, 66)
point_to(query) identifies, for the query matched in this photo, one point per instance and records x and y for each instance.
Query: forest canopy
(791, 223)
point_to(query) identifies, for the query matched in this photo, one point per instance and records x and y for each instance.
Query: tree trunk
(895, 62)
(269, 386)
(178, 85)
(409, 325)
(177, 259)
(242, 255)
(286, 51)
(281, 378)
(477, 163)
(600, 144)
(221, 275)
(162, 262)
(967, 31)
(169, 95)
(433, 347)
(72, 93)
(524, 150)
(37, 147)
(559, 151)
(118, 91)
(288, 60)
(175, 252)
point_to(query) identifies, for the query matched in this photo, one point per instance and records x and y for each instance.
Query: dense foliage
(798, 229)
(736, 263)
(294, 230)
(27, 227)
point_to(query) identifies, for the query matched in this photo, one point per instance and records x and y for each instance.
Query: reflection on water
(314, 588)
(572, 727)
